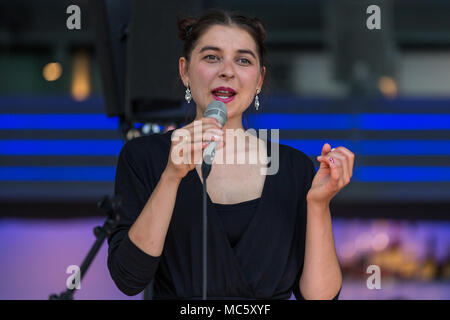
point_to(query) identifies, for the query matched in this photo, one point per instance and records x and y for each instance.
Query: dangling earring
(188, 95)
(257, 100)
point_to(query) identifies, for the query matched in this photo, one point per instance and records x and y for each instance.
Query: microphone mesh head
(216, 110)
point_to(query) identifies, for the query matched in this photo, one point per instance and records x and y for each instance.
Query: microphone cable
(206, 168)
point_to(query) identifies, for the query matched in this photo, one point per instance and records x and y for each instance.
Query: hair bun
(185, 26)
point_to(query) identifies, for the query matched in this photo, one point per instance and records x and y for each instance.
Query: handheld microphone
(218, 111)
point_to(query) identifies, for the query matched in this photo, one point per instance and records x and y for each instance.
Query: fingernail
(331, 160)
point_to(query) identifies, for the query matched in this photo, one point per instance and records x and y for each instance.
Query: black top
(265, 263)
(236, 217)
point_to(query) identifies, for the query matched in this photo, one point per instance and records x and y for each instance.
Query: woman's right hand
(186, 150)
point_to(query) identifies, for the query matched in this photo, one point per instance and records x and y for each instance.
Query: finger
(334, 169)
(195, 134)
(326, 148)
(200, 126)
(179, 135)
(197, 131)
(348, 163)
(337, 161)
(200, 145)
(335, 175)
(350, 158)
(211, 135)
(194, 152)
(343, 165)
(220, 144)
(212, 121)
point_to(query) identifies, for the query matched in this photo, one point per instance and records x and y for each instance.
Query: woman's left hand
(336, 169)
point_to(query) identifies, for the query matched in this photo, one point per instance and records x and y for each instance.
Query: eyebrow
(218, 49)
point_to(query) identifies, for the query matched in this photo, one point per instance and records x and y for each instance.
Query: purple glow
(36, 253)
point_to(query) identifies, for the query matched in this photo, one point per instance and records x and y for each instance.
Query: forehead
(226, 38)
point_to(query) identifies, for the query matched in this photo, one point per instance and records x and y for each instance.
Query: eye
(246, 61)
(210, 56)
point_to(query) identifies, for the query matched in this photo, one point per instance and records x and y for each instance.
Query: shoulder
(155, 140)
(299, 162)
(296, 157)
(147, 148)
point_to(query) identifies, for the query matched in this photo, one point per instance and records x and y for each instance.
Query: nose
(227, 70)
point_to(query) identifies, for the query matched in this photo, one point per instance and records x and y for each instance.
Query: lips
(224, 94)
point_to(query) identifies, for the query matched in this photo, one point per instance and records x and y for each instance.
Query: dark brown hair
(191, 29)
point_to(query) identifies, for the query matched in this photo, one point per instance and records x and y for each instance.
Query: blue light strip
(58, 122)
(60, 147)
(401, 174)
(263, 120)
(404, 121)
(301, 121)
(107, 173)
(405, 147)
(375, 147)
(347, 121)
(53, 174)
(309, 147)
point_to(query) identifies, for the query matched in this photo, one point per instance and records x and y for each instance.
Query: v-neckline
(212, 211)
(239, 254)
(268, 150)
(210, 202)
(213, 203)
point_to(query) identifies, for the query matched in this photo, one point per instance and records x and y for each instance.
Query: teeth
(221, 91)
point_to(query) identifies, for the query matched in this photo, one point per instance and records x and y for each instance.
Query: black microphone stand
(206, 169)
(110, 208)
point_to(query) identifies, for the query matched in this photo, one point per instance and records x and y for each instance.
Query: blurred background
(70, 98)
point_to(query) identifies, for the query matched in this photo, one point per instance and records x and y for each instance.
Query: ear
(183, 69)
(261, 77)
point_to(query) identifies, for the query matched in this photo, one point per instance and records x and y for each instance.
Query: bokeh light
(52, 71)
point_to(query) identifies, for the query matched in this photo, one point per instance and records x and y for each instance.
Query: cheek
(249, 83)
(250, 78)
(204, 73)
(202, 79)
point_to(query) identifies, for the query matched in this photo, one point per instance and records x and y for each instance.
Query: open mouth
(224, 96)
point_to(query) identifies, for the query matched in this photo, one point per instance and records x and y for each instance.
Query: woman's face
(223, 57)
